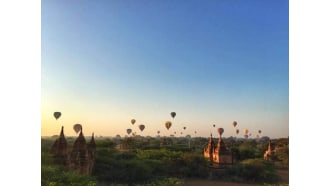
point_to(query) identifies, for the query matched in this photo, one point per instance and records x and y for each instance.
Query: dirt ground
(284, 175)
(193, 182)
(198, 182)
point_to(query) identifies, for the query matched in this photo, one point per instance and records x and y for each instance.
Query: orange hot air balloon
(141, 127)
(57, 115)
(77, 128)
(246, 131)
(168, 124)
(234, 123)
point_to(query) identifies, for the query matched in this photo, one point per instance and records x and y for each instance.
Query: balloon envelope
(129, 131)
(213, 125)
(234, 123)
(133, 121)
(259, 131)
(168, 124)
(220, 131)
(77, 128)
(184, 128)
(173, 114)
(237, 131)
(141, 127)
(57, 115)
(246, 131)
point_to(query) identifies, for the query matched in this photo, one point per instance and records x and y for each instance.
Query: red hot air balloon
(141, 127)
(234, 123)
(77, 128)
(220, 131)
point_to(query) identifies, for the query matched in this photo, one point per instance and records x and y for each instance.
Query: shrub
(251, 170)
(57, 176)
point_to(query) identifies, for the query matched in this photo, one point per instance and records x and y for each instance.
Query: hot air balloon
(237, 131)
(133, 121)
(158, 132)
(57, 115)
(180, 132)
(168, 124)
(77, 128)
(129, 131)
(259, 131)
(141, 127)
(173, 114)
(195, 132)
(246, 131)
(174, 132)
(234, 123)
(213, 125)
(184, 128)
(220, 131)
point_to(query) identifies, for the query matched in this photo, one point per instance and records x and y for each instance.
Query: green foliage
(246, 151)
(57, 176)
(282, 151)
(148, 161)
(253, 170)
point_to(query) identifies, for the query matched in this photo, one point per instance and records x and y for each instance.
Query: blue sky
(106, 62)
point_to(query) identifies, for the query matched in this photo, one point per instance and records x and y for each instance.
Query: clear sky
(104, 63)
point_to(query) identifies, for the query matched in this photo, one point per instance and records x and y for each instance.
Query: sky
(104, 63)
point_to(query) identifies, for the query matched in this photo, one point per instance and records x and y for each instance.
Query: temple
(218, 153)
(80, 159)
(269, 152)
